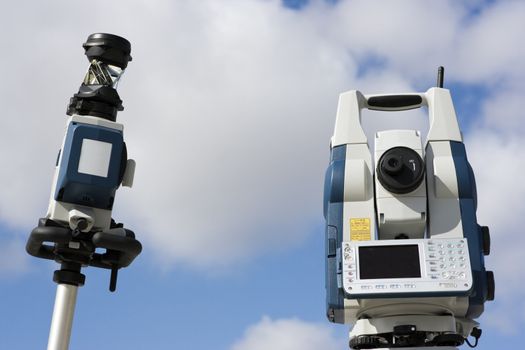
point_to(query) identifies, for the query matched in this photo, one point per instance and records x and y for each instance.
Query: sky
(229, 108)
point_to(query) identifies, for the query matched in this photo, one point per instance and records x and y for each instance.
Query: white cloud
(230, 105)
(503, 111)
(229, 109)
(411, 37)
(496, 156)
(500, 207)
(493, 36)
(289, 334)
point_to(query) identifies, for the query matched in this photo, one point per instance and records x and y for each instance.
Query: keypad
(445, 267)
(446, 260)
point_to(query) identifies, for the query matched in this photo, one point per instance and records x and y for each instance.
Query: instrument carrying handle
(401, 102)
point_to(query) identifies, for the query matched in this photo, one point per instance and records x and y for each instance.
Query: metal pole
(62, 320)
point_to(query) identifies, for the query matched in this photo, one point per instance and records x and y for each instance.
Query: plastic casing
(89, 194)
(349, 203)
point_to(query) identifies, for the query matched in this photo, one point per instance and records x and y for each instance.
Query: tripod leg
(62, 320)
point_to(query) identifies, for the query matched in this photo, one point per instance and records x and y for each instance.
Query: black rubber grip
(394, 101)
(35, 244)
(120, 250)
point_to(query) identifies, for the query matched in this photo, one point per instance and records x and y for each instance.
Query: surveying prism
(404, 252)
(78, 230)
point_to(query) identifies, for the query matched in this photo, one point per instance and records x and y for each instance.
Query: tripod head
(92, 163)
(404, 251)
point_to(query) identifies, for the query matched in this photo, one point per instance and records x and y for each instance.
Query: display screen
(395, 261)
(94, 157)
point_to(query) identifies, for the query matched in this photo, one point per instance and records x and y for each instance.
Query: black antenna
(441, 76)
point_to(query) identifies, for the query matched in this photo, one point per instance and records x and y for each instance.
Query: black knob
(400, 170)
(365, 342)
(491, 286)
(485, 237)
(108, 48)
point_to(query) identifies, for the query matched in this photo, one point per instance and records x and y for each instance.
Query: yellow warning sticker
(360, 229)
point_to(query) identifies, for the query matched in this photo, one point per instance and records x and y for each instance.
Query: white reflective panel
(94, 157)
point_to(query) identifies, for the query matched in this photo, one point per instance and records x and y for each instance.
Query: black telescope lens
(400, 170)
(108, 48)
(393, 164)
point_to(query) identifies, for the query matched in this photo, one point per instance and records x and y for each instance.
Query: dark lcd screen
(395, 261)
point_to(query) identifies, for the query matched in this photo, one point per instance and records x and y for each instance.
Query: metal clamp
(73, 246)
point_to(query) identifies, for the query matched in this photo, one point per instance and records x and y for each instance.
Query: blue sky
(229, 107)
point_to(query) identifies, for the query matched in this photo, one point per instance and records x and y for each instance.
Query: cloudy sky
(229, 107)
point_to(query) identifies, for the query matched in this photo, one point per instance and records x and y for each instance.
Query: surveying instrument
(404, 252)
(78, 230)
